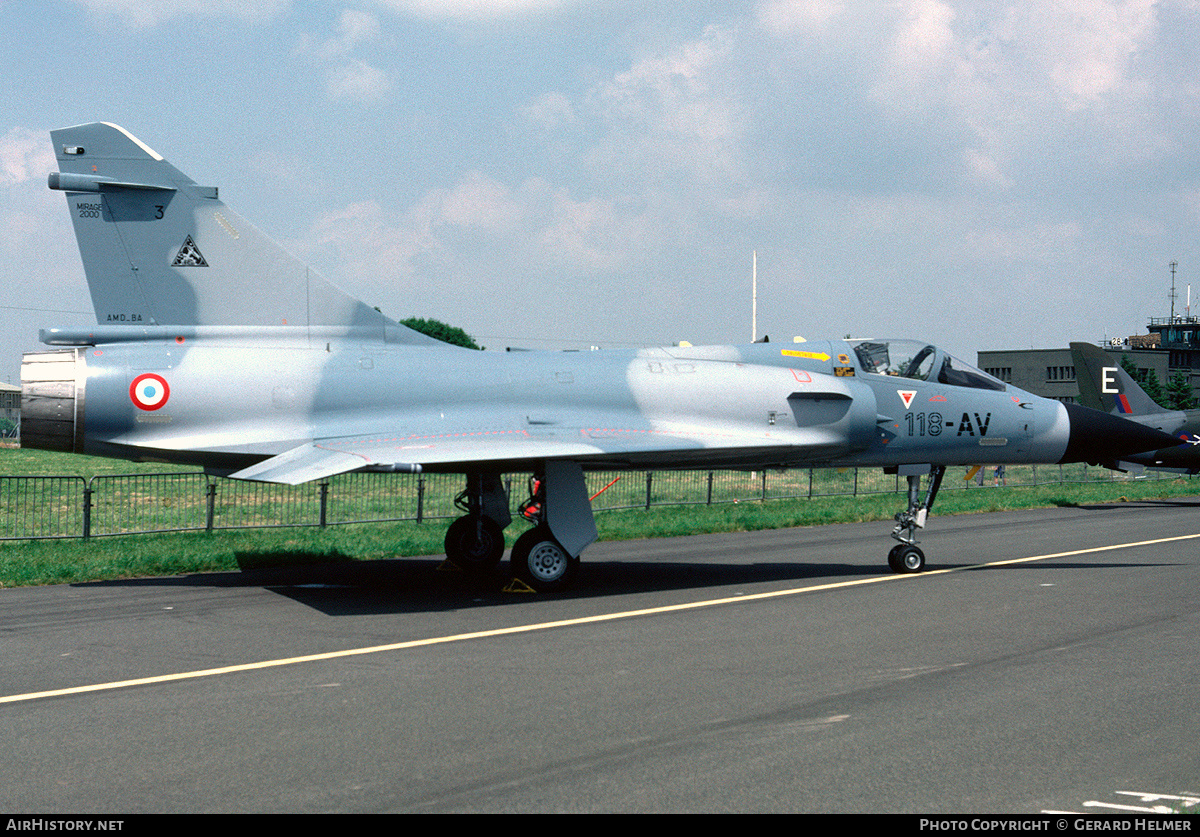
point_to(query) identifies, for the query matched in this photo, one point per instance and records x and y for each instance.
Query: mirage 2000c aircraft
(214, 346)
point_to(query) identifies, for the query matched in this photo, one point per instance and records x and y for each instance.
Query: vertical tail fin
(1105, 386)
(158, 249)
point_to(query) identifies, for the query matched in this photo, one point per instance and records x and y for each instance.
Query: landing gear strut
(907, 557)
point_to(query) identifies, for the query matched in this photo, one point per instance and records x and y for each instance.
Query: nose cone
(1101, 437)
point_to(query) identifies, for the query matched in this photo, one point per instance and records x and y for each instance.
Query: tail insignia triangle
(189, 255)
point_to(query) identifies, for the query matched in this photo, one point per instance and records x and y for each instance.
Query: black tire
(541, 562)
(906, 558)
(475, 544)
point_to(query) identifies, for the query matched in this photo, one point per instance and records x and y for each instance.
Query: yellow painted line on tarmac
(561, 623)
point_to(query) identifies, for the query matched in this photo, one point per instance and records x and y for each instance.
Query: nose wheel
(907, 557)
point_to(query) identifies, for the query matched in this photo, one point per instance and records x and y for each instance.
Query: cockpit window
(899, 358)
(958, 374)
(910, 359)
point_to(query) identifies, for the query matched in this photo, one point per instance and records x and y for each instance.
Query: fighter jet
(1104, 385)
(215, 346)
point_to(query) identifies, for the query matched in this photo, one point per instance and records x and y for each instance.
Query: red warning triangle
(906, 395)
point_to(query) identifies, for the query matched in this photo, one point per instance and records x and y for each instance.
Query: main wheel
(474, 543)
(906, 558)
(541, 562)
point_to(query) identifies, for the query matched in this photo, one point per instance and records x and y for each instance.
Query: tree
(1179, 392)
(440, 331)
(1154, 389)
(1130, 367)
(1149, 381)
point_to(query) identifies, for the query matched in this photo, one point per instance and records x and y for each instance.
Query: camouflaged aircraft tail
(1104, 385)
(159, 249)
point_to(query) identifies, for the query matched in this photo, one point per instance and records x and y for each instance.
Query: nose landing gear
(907, 557)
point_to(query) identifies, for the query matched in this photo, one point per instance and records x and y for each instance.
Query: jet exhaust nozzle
(52, 400)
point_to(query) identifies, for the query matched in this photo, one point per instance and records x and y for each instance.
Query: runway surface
(768, 671)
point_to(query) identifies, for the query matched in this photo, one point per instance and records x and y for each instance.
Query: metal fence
(75, 507)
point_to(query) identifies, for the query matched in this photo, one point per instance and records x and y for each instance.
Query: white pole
(754, 299)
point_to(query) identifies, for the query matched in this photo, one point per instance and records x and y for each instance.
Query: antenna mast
(1173, 265)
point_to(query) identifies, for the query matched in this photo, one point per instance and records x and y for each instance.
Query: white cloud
(986, 169)
(967, 93)
(357, 81)
(372, 241)
(147, 13)
(348, 77)
(477, 203)
(550, 110)
(363, 240)
(593, 236)
(38, 259)
(479, 233)
(924, 41)
(25, 155)
(674, 114)
(354, 28)
(785, 18)
(1085, 48)
(474, 9)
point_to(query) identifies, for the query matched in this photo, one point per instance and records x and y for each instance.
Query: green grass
(25, 563)
(15, 461)
(747, 516)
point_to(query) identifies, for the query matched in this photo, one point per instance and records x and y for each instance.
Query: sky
(574, 173)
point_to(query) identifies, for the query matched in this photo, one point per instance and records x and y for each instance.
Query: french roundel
(149, 391)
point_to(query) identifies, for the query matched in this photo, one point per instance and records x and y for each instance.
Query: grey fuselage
(237, 395)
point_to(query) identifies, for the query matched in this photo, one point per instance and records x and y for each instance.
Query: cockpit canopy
(921, 362)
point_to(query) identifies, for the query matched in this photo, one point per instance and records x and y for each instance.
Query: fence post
(810, 482)
(211, 500)
(763, 493)
(323, 492)
(649, 478)
(420, 499)
(710, 482)
(87, 509)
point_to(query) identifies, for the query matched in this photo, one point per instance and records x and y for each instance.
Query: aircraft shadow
(430, 585)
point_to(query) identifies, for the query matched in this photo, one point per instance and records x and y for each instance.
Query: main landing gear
(475, 541)
(546, 557)
(907, 557)
(538, 559)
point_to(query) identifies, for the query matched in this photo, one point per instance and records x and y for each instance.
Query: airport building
(1173, 345)
(10, 411)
